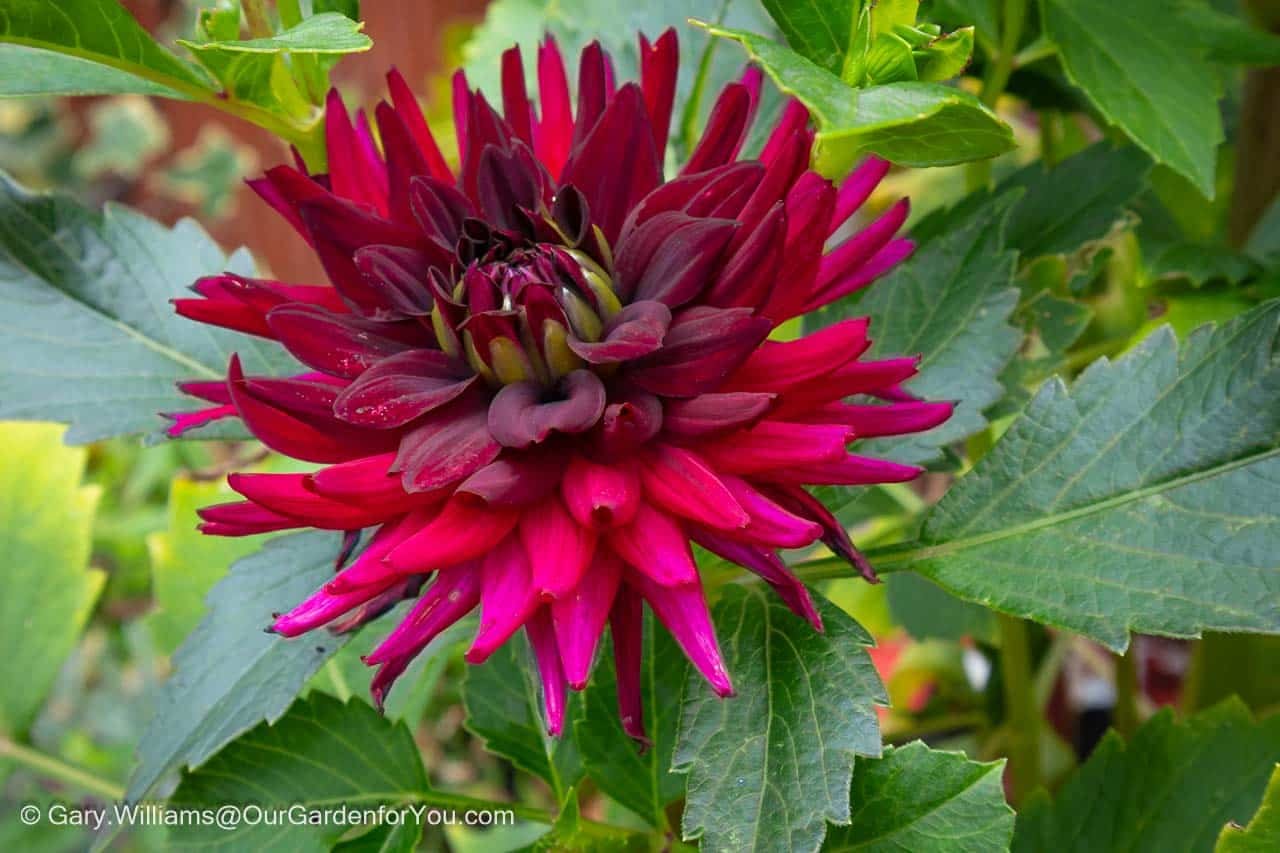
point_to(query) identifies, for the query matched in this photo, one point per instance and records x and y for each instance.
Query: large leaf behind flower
(1144, 498)
(770, 767)
(229, 675)
(321, 755)
(1173, 786)
(926, 801)
(90, 337)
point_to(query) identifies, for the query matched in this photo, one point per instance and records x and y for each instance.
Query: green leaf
(229, 675)
(101, 32)
(1139, 66)
(1075, 203)
(1262, 835)
(1142, 499)
(387, 838)
(818, 30)
(948, 56)
(329, 32)
(31, 71)
(911, 124)
(641, 781)
(1172, 787)
(770, 767)
(319, 756)
(46, 521)
(185, 563)
(926, 611)
(950, 303)
(1226, 37)
(503, 699)
(90, 337)
(926, 801)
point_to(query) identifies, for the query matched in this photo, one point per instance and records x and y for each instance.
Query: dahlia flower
(541, 377)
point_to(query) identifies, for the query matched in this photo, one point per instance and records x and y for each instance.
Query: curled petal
(518, 416)
(600, 496)
(403, 388)
(637, 330)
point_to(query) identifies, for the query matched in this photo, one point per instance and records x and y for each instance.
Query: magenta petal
(771, 524)
(709, 414)
(626, 624)
(725, 131)
(769, 566)
(857, 188)
(550, 669)
(407, 106)
(600, 496)
(777, 364)
(681, 483)
(579, 617)
(402, 388)
(629, 421)
(461, 531)
(637, 330)
(868, 421)
(655, 545)
(519, 417)
(365, 479)
(851, 470)
(850, 255)
(243, 518)
(507, 598)
(683, 610)
(558, 548)
(775, 444)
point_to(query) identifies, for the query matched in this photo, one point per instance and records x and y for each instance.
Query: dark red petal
(411, 114)
(400, 276)
(671, 257)
(709, 414)
(402, 388)
(354, 172)
(519, 417)
(637, 330)
(834, 536)
(450, 446)
(725, 131)
(517, 479)
(622, 135)
(338, 344)
(440, 209)
(629, 421)
(592, 94)
(311, 439)
(809, 205)
(748, 275)
(515, 98)
(658, 65)
(703, 346)
(554, 131)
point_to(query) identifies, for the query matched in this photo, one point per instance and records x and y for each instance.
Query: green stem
(54, 768)
(689, 118)
(997, 77)
(1125, 720)
(978, 173)
(1021, 712)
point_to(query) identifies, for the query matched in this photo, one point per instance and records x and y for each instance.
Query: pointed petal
(655, 545)
(626, 624)
(769, 566)
(703, 346)
(683, 610)
(402, 388)
(461, 532)
(507, 598)
(710, 414)
(550, 669)
(637, 330)
(682, 483)
(579, 617)
(337, 344)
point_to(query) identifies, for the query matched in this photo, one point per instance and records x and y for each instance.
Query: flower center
(514, 312)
